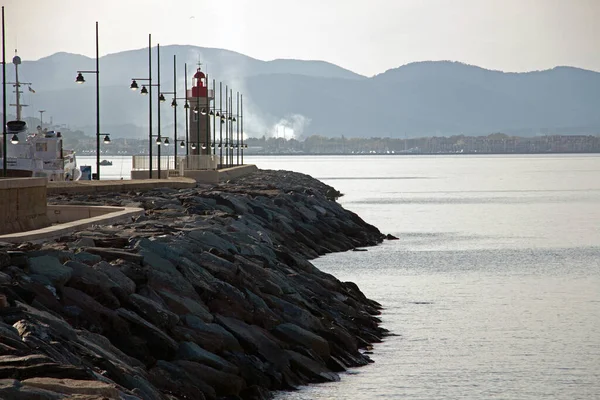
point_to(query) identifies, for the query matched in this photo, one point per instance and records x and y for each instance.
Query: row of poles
(225, 114)
(232, 145)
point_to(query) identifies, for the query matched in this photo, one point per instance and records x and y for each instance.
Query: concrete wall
(144, 174)
(59, 214)
(221, 175)
(22, 204)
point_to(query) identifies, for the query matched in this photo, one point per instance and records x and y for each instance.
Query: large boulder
(153, 311)
(181, 305)
(73, 387)
(159, 343)
(256, 340)
(171, 378)
(292, 333)
(116, 276)
(192, 352)
(51, 268)
(92, 282)
(225, 384)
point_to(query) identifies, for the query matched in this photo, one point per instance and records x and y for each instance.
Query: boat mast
(17, 61)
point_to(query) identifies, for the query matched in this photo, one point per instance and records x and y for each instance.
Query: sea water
(493, 288)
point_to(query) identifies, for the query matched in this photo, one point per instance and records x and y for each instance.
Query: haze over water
(494, 286)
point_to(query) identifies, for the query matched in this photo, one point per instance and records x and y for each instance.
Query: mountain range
(432, 98)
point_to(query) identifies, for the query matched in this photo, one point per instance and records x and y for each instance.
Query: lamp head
(14, 139)
(158, 142)
(167, 142)
(203, 111)
(182, 144)
(106, 139)
(173, 103)
(80, 78)
(144, 91)
(161, 98)
(186, 105)
(134, 85)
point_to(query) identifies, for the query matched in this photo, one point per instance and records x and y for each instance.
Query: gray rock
(212, 337)
(256, 341)
(117, 277)
(208, 240)
(224, 384)
(309, 367)
(159, 342)
(13, 389)
(115, 254)
(183, 305)
(192, 352)
(87, 258)
(292, 333)
(153, 311)
(51, 268)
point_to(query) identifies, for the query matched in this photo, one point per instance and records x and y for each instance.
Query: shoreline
(209, 294)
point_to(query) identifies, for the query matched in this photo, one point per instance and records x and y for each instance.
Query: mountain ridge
(316, 97)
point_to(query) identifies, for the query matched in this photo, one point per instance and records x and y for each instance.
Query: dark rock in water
(390, 237)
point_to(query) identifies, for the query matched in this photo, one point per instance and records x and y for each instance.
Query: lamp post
(144, 91)
(81, 79)
(4, 158)
(174, 105)
(41, 118)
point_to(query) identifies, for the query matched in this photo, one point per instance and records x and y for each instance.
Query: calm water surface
(494, 286)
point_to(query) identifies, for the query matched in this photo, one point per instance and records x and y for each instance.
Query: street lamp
(162, 99)
(144, 91)
(4, 147)
(80, 79)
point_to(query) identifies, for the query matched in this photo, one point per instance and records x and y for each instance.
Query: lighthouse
(199, 98)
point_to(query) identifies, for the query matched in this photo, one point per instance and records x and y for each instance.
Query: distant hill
(315, 97)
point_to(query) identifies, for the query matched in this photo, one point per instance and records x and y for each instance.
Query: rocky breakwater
(208, 295)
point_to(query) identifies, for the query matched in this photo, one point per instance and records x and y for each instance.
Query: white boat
(39, 154)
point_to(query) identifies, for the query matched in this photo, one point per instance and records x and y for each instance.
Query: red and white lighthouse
(199, 98)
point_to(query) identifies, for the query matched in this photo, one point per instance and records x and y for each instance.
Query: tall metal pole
(150, 99)
(237, 127)
(214, 141)
(175, 108)
(4, 158)
(158, 141)
(231, 127)
(207, 113)
(187, 133)
(97, 108)
(242, 123)
(226, 125)
(221, 125)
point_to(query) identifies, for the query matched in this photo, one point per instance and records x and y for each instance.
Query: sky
(367, 37)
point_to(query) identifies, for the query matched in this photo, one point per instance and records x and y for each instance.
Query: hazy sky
(367, 37)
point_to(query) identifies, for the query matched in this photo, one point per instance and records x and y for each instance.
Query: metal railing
(142, 163)
(198, 162)
(190, 162)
